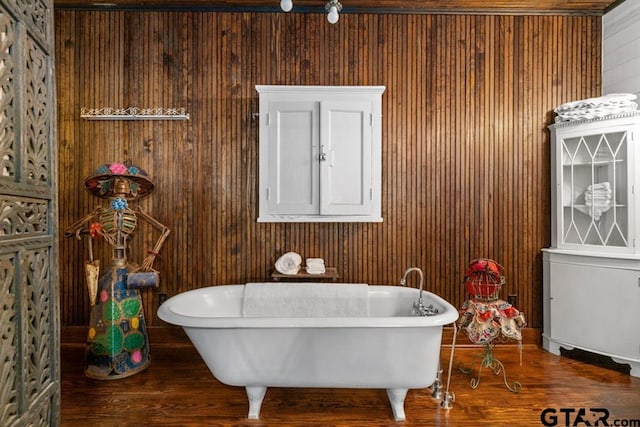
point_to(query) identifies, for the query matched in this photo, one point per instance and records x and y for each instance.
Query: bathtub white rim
(305, 322)
(182, 319)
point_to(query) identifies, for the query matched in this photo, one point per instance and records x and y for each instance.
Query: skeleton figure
(117, 341)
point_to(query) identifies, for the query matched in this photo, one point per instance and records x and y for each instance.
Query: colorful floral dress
(117, 342)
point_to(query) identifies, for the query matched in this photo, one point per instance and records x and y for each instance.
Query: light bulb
(333, 16)
(286, 5)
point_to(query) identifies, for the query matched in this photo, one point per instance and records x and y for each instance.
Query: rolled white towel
(289, 263)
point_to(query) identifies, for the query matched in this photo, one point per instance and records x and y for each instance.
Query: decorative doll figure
(117, 341)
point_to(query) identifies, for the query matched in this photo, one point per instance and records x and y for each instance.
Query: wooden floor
(178, 390)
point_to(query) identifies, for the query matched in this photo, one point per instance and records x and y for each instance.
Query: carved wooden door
(29, 354)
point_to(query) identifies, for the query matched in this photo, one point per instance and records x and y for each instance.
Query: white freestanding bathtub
(387, 349)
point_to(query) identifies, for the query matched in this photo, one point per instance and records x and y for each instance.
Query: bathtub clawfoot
(255, 395)
(396, 398)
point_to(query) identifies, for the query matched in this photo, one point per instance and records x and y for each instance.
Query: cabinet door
(345, 167)
(594, 195)
(596, 308)
(293, 158)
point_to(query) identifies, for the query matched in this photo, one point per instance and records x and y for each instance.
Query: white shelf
(588, 206)
(594, 163)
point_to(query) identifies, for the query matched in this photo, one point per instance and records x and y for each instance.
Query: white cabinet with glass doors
(592, 269)
(593, 185)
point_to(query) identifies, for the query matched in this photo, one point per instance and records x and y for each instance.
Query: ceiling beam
(517, 7)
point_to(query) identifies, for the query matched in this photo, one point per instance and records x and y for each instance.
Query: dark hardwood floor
(178, 390)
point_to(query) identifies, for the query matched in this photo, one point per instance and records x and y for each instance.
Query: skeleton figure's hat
(103, 183)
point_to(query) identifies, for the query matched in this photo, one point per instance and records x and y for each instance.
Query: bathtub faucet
(419, 309)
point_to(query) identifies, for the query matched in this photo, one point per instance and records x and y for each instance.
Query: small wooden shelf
(331, 273)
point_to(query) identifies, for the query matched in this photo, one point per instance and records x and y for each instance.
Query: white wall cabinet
(591, 290)
(320, 153)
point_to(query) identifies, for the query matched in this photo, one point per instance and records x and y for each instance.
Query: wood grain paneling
(465, 145)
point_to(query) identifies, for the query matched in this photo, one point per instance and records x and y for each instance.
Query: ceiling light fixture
(286, 5)
(332, 8)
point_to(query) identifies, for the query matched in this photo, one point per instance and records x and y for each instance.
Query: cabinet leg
(551, 347)
(635, 366)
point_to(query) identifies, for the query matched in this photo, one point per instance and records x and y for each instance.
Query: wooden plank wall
(465, 145)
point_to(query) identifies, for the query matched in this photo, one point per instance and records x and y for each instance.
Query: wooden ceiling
(580, 7)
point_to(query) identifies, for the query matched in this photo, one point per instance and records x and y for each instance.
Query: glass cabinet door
(595, 190)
